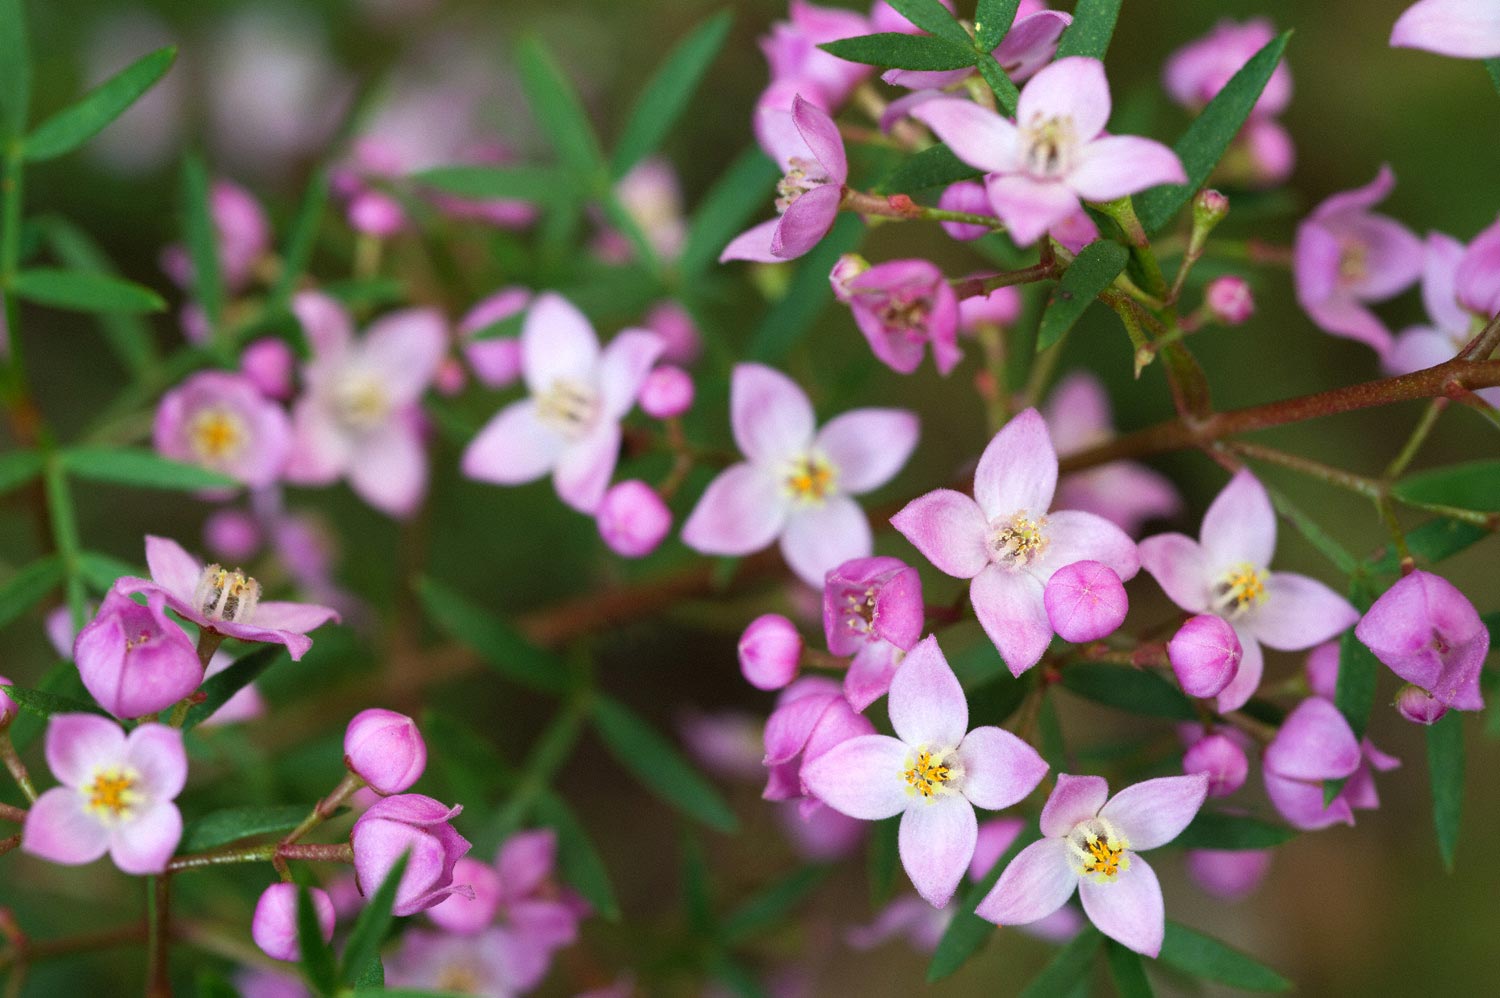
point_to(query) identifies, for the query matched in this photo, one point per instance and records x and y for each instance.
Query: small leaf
(1128, 971)
(45, 704)
(931, 168)
(1474, 485)
(1212, 830)
(967, 933)
(992, 21)
(577, 856)
(84, 291)
(882, 858)
(217, 689)
(317, 955)
(28, 587)
(666, 96)
(1355, 694)
(931, 16)
(537, 184)
(15, 68)
(1128, 689)
(373, 976)
(557, 111)
(791, 318)
(1091, 272)
(1205, 957)
(1068, 968)
(747, 186)
(1445, 764)
(74, 125)
(1003, 87)
(894, 50)
(502, 648)
(372, 925)
(141, 468)
(697, 892)
(659, 767)
(202, 239)
(769, 906)
(18, 467)
(219, 828)
(1092, 28)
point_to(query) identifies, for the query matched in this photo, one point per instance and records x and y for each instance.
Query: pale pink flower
(902, 306)
(1315, 744)
(1428, 633)
(1464, 29)
(872, 610)
(220, 421)
(1477, 279)
(791, 50)
(806, 144)
(1195, 73)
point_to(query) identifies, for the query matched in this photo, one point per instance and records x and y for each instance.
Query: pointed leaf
(317, 955)
(202, 238)
(217, 689)
(44, 704)
(537, 184)
(1358, 669)
(771, 905)
(931, 16)
(219, 828)
(1091, 272)
(501, 646)
(1003, 87)
(141, 468)
(1205, 957)
(992, 21)
(557, 111)
(74, 125)
(372, 925)
(15, 68)
(28, 587)
(577, 856)
(1128, 689)
(84, 291)
(1473, 485)
(1128, 971)
(932, 167)
(1445, 764)
(894, 50)
(659, 766)
(1070, 967)
(1092, 28)
(667, 94)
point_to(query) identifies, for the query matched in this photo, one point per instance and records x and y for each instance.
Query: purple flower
(570, 425)
(791, 50)
(667, 392)
(222, 422)
(1464, 29)
(903, 305)
(1006, 540)
(932, 773)
(1429, 634)
(652, 197)
(1316, 744)
(1029, 45)
(491, 963)
(872, 609)
(1229, 300)
(1055, 153)
(1000, 307)
(1091, 844)
(1477, 278)
(967, 196)
(633, 519)
(1227, 572)
(116, 795)
(384, 749)
(1346, 256)
(269, 363)
(1196, 73)
(1085, 601)
(806, 144)
(1450, 323)
(1205, 654)
(133, 660)
(811, 717)
(227, 602)
(798, 481)
(359, 417)
(409, 823)
(274, 925)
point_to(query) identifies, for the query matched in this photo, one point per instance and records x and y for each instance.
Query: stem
(901, 206)
(1367, 487)
(325, 808)
(223, 857)
(11, 188)
(1123, 212)
(1481, 346)
(335, 852)
(971, 286)
(158, 936)
(16, 766)
(9, 843)
(15, 815)
(997, 398)
(1418, 437)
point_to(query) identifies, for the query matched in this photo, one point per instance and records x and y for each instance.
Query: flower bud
(467, 916)
(1228, 873)
(232, 535)
(269, 363)
(274, 927)
(1222, 759)
(409, 823)
(384, 749)
(1000, 307)
(1205, 654)
(1322, 669)
(666, 393)
(449, 379)
(848, 267)
(679, 334)
(7, 705)
(1209, 208)
(967, 196)
(633, 519)
(375, 214)
(1418, 706)
(770, 650)
(134, 660)
(1229, 300)
(1085, 601)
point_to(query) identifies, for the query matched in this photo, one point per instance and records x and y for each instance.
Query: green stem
(325, 808)
(902, 207)
(1123, 212)
(223, 857)
(1418, 437)
(997, 395)
(158, 936)
(64, 531)
(16, 767)
(547, 756)
(11, 194)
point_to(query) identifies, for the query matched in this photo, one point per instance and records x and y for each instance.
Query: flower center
(1049, 145)
(1017, 540)
(458, 979)
(1099, 850)
(928, 775)
(802, 175)
(216, 435)
(810, 479)
(111, 794)
(906, 312)
(227, 596)
(568, 407)
(1353, 261)
(1240, 589)
(859, 610)
(361, 401)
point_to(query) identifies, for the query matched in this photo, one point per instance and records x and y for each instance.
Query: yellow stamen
(1099, 849)
(927, 774)
(112, 793)
(1018, 540)
(1241, 588)
(810, 478)
(216, 435)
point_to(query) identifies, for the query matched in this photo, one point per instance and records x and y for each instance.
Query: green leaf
(931, 168)
(1438, 539)
(373, 976)
(1093, 26)
(1355, 694)
(746, 186)
(792, 317)
(372, 925)
(1000, 83)
(1205, 140)
(302, 238)
(1474, 485)
(666, 96)
(76, 124)
(202, 239)
(1492, 66)
(1445, 764)
(219, 828)
(18, 467)
(15, 68)
(217, 689)
(538, 184)
(1128, 971)
(141, 468)
(697, 892)
(101, 570)
(1068, 968)
(1133, 690)
(932, 17)
(500, 645)
(659, 767)
(317, 955)
(769, 906)
(882, 857)
(1205, 957)
(84, 291)
(128, 334)
(967, 933)
(557, 111)
(992, 20)
(1213, 830)
(1091, 272)
(45, 704)
(577, 856)
(894, 50)
(27, 587)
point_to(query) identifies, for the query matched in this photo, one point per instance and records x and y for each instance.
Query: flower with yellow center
(217, 436)
(112, 794)
(810, 479)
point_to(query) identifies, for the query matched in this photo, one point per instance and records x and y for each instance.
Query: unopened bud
(1418, 706)
(384, 749)
(1223, 761)
(770, 650)
(849, 266)
(1229, 300)
(1205, 654)
(632, 519)
(666, 393)
(1209, 209)
(1085, 601)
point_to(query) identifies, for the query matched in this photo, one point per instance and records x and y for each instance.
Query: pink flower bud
(1205, 654)
(1085, 601)
(770, 650)
(376, 214)
(967, 196)
(848, 267)
(449, 380)
(1222, 759)
(1000, 307)
(1418, 706)
(134, 660)
(7, 705)
(232, 535)
(1229, 300)
(467, 916)
(274, 927)
(1229, 873)
(679, 334)
(384, 749)
(633, 519)
(268, 363)
(394, 826)
(666, 393)
(1209, 206)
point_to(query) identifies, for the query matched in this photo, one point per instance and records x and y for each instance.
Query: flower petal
(156, 752)
(585, 467)
(870, 674)
(298, 618)
(1301, 803)
(1443, 256)
(999, 768)
(557, 344)
(976, 135)
(1074, 89)
(388, 469)
(1154, 812)
(514, 447)
(1298, 613)
(144, 844)
(819, 539)
(1018, 469)
(1117, 165)
(1078, 413)
(1463, 29)
(806, 222)
(77, 744)
(1315, 743)
(742, 510)
(822, 137)
(58, 829)
(927, 704)
(949, 529)
(861, 777)
(1074, 536)
(868, 446)
(1030, 207)
(1035, 884)
(1247, 677)
(771, 415)
(1180, 567)
(320, 447)
(1074, 799)
(1010, 609)
(936, 842)
(325, 322)
(1129, 909)
(754, 244)
(623, 365)
(405, 349)
(525, 861)
(1240, 525)
(172, 568)
(1346, 317)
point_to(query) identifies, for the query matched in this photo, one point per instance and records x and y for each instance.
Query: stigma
(111, 795)
(568, 407)
(225, 595)
(1098, 850)
(1240, 589)
(1018, 540)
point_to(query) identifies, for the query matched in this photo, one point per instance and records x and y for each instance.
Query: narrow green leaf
(217, 689)
(500, 645)
(101, 570)
(1092, 28)
(1445, 764)
(128, 334)
(1128, 971)
(27, 587)
(747, 186)
(1315, 534)
(659, 767)
(667, 94)
(931, 16)
(767, 907)
(577, 856)
(317, 955)
(790, 319)
(1205, 140)
(62, 680)
(931, 168)
(1068, 968)
(219, 828)
(1492, 66)
(1355, 694)
(1091, 272)
(44, 704)
(301, 239)
(1003, 87)
(968, 933)
(372, 925)
(882, 857)
(1473, 485)
(202, 239)
(1203, 956)
(373, 976)
(538, 184)
(18, 467)
(697, 892)
(84, 291)
(76, 124)
(15, 68)
(1213, 830)
(1133, 690)
(558, 112)
(992, 21)
(140, 468)
(893, 50)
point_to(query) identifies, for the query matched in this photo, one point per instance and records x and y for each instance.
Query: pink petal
(1348, 318)
(936, 842)
(996, 836)
(557, 344)
(1154, 812)
(320, 447)
(1129, 909)
(1035, 884)
(585, 467)
(1031, 42)
(999, 768)
(525, 861)
(1240, 525)
(1298, 613)
(949, 529)
(77, 744)
(1463, 29)
(514, 447)
(1073, 536)
(927, 704)
(861, 777)
(544, 925)
(60, 830)
(1393, 256)
(1180, 567)
(977, 136)
(771, 416)
(156, 752)
(1477, 280)
(869, 675)
(1315, 263)
(172, 568)
(325, 322)
(822, 137)
(388, 469)
(1301, 803)
(1072, 88)
(1315, 743)
(1077, 413)
(405, 349)
(790, 725)
(819, 539)
(623, 367)
(1123, 492)
(1417, 350)
(1011, 610)
(1359, 200)
(806, 222)
(298, 618)
(144, 844)
(753, 244)
(868, 446)
(1018, 469)
(1030, 207)
(742, 510)
(1116, 165)
(1247, 677)
(1443, 256)
(1074, 799)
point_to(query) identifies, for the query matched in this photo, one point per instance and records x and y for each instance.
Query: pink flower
(221, 421)
(223, 601)
(1458, 284)
(903, 305)
(414, 824)
(1221, 759)
(570, 425)
(1006, 540)
(496, 361)
(1196, 73)
(1205, 654)
(633, 519)
(133, 660)
(384, 749)
(1229, 874)
(1227, 572)
(1464, 29)
(811, 717)
(8, 707)
(1091, 844)
(242, 237)
(1029, 45)
(806, 144)
(932, 773)
(652, 197)
(1347, 256)
(269, 364)
(1055, 153)
(359, 417)
(1316, 744)
(726, 742)
(1477, 278)
(667, 393)
(116, 795)
(1429, 634)
(1000, 307)
(681, 342)
(798, 480)
(872, 609)
(967, 196)
(1085, 601)
(791, 50)
(1229, 300)
(274, 925)
(770, 650)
